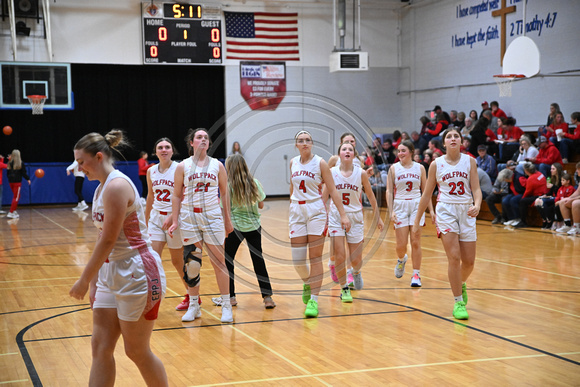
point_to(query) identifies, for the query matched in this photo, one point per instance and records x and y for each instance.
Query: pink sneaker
(350, 280)
(184, 304)
(332, 273)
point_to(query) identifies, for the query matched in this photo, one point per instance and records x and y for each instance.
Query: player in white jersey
(405, 181)
(124, 274)
(458, 204)
(158, 209)
(334, 161)
(196, 211)
(349, 181)
(308, 218)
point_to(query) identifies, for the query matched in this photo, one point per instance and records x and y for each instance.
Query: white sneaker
(400, 268)
(573, 231)
(556, 225)
(507, 223)
(415, 281)
(564, 228)
(358, 281)
(227, 316)
(193, 312)
(13, 215)
(515, 221)
(83, 206)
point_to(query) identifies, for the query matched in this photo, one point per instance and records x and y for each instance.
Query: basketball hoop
(37, 103)
(504, 82)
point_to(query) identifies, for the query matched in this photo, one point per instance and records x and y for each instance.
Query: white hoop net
(504, 82)
(37, 103)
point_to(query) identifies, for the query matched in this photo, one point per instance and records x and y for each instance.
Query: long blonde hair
(243, 189)
(15, 160)
(93, 143)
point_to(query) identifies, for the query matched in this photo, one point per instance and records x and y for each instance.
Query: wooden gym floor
(524, 308)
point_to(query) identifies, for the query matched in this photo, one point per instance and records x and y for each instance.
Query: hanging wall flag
(263, 85)
(262, 36)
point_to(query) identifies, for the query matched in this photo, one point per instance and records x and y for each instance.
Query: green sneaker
(345, 295)
(459, 311)
(464, 292)
(311, 309)
(306, 293)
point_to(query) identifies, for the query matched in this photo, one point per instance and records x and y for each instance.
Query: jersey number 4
(302, 186)
(460, 187)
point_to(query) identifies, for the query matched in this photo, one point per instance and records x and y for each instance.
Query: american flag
(262, 36)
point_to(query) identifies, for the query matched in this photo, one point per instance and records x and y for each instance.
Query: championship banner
(263, 85)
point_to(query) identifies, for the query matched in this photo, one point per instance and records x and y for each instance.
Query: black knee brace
(191, 265)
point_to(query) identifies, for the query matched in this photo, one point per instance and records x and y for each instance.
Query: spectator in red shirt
(548, 154)
(508, 136)
(426, 124)
(535, 186)
(496, 111)
(442, 124)
(569, 138)
(143, 167)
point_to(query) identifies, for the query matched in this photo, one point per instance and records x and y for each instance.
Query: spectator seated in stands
(427, 159)
(484, 183)
(550, 211)
(500, 189)
(397, 138)
(379, 186)
(577, 175)
(486, 162)
(466, 130)
(546, 202)
(508, 137)
(435, 148)
(426, 124)
(465, 145)
(388, 153)
(377, 154)
(548, 154)
(535, 187)
(478, 134)
(570, 139)
(419, 142)
(554, 108)
(557, 129)
(496, 111)
(510, 202)
(526, 152)
(570, 209)
(441, 125)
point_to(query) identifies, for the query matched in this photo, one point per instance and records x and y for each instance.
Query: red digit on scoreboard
(215, 35)
(162, 32)
(153, 51)
(216, 52)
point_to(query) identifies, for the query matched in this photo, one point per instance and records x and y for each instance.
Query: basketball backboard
(19, 79)
(522, 57)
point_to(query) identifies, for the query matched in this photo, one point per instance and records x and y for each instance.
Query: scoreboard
(176, 33)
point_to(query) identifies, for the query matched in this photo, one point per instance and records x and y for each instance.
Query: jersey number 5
(345, 198)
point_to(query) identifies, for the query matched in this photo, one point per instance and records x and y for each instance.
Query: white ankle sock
(225, 299)
(415, 272)
(458, 298)
(313, 297)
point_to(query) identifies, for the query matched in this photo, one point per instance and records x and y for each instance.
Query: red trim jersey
(306, 179)
(201, 186)
(407, 181)
(349, 189)
(454, 180)
(162, 185)
(133, 235)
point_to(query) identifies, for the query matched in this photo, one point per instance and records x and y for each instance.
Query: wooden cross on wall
(502, 12)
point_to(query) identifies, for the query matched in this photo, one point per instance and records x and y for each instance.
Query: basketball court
(522, 303)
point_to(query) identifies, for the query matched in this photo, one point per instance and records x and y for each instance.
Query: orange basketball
(7, 130)
(39, 173)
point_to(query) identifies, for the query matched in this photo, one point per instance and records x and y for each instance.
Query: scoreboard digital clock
(176, 33)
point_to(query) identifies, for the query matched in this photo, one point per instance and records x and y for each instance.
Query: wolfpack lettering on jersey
(162, 184)
(201, 184)
(407, 181)
(306, 179)
(453, 181)
(349, 189)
